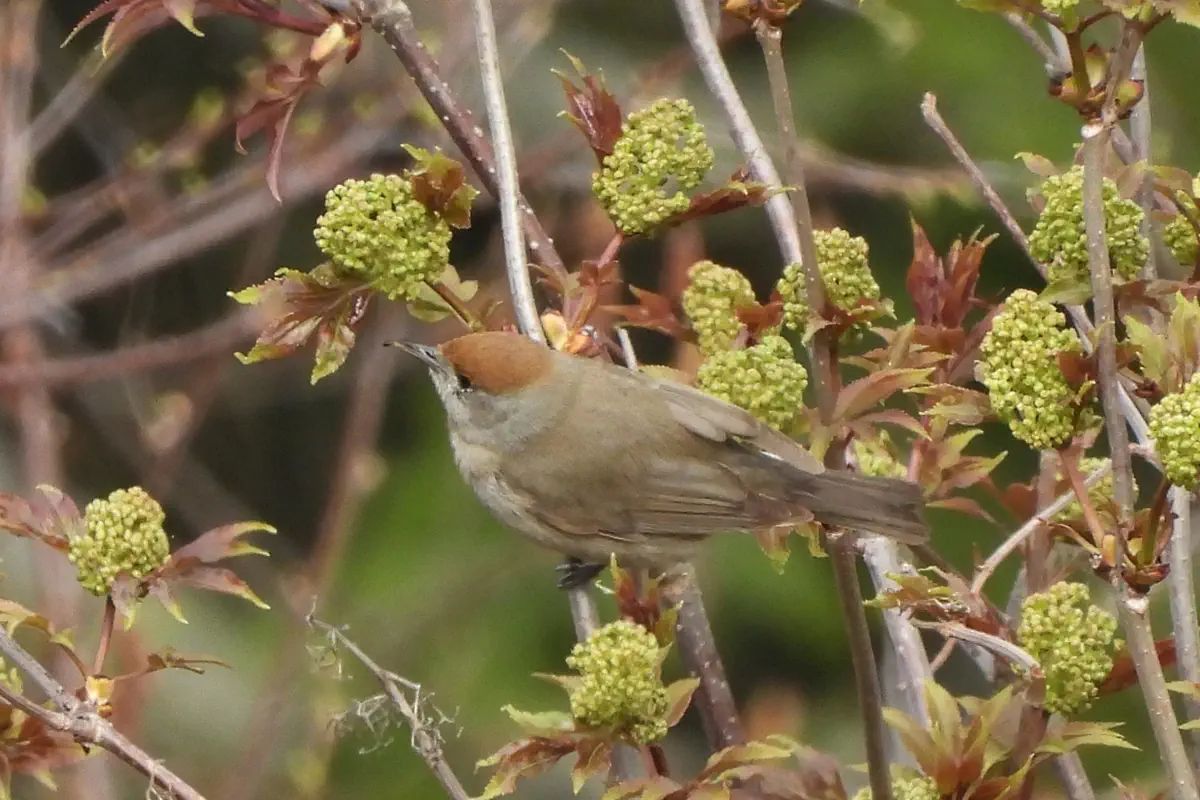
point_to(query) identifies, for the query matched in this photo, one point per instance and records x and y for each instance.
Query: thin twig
(993, 644)
(934, 120)
(83, 722)
(1133, 607)
(1073, 777)
(504, 178)
(790, 236)
(1009, 545)
(106, 631)
(1050, 58)
(393, 21)
(426, 740)
(697, 648)
(1182, 595)
(520, 286)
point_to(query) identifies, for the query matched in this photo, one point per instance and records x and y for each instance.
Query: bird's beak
(423, 352)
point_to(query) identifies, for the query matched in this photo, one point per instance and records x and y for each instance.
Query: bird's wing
(718, 421)
(693, 497)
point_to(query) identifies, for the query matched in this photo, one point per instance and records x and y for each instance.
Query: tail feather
(885, 506)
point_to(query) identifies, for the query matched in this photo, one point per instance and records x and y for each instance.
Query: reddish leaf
(964, 504)
(760, 319)
(738, 192)
(925, 280)
(304, 303)
(217, 544)
(593, 110)
(867, 392)
(679, 697)
(652, 311)
(594, 760)
(216, 579)
(439, 183)
(1123, 674)
(524, 758)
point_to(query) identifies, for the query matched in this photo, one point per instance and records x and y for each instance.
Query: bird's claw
(576, 573)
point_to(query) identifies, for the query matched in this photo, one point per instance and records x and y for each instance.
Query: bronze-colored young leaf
(303, 303)
(656, 788)
(653, 311)
(865, 393)
(593, 760)
(439, 183)
(215, 579)
(679, 697)
(272, 113)
(775, 748)
(737, 193)
(524, 758)
(219, 543)
(592, 109)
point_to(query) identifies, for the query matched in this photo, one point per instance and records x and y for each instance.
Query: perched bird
(591, 459)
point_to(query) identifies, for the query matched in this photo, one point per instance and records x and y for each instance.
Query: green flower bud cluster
(1175, 429)
(1019, 366)
(918, 788)
(378, 230)
(124, 533)
(1059, 240)
(765, 380)
(874, 457)
(620, 685)
(1071, 641)
(1060, 7)
(659, 145)
(1180, 237)
(711, 300)
(845, 273)
(11, 677)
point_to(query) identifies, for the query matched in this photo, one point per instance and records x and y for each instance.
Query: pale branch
(1140, 128)
(788, 234)
(1182, 595)
(1044, 515)
(1073, 777)
(1133, 607)
(83, 722)
(993, 644)
(1050, 57)
(520, 285)
(426, 739)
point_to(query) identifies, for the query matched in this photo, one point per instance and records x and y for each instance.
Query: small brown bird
(591, 459)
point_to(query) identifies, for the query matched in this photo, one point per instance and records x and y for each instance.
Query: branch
(82, 722)
(698, 650)
(1009, 545)
(1182, 595)
(392, 20)
(426, 739)
(795, 243)
(1133, 607)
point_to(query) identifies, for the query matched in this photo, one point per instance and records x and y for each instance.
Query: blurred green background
(428, 584)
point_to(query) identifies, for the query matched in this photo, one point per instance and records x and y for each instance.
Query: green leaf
(739, 755)
(655, 788)
(1038, 165)
(542, 723)
(1151, 349)
(429, 306)
(1067, 292)
(679, 697)
(523, 758)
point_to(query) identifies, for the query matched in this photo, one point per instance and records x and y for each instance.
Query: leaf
(737, 193)
(439, 184)
(169, 659)
(1078, 734)
(594, 760)
(159, 590)
(592, 109)
(963, 504)
(301, 304)
(894, 416)
(653, 311)
(273, 112)
(1151, 349)
(1038, 165)
(429, 306)
(132, 19)
(543, 723)
(13, 615)
(866, 392)
(1189, 688)
(656, 788)
(1067, 292)
(738, 755)
(523, 758)
(915, 738)
(679, 697)
(925, 280)
(219, 543)
(217, 579)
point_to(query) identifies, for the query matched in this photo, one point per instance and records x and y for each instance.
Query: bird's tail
(884, 506)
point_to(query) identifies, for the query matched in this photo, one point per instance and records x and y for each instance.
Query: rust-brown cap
(498, 362)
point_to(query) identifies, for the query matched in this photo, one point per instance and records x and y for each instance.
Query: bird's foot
(575, 573)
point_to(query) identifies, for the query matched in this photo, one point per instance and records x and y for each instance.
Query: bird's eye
(464, 383)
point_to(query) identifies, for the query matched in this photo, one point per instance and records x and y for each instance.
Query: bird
(597, 461)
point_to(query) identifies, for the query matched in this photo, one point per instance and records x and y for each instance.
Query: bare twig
(1050, 58)
(1009, 545)
(795, 242)
(994, 644)
(393, 21)
(697, 648)
(1183, 605)
(934, 120)
(83, 722)
(1073, 777)
(1134, 608)
(426, 740)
